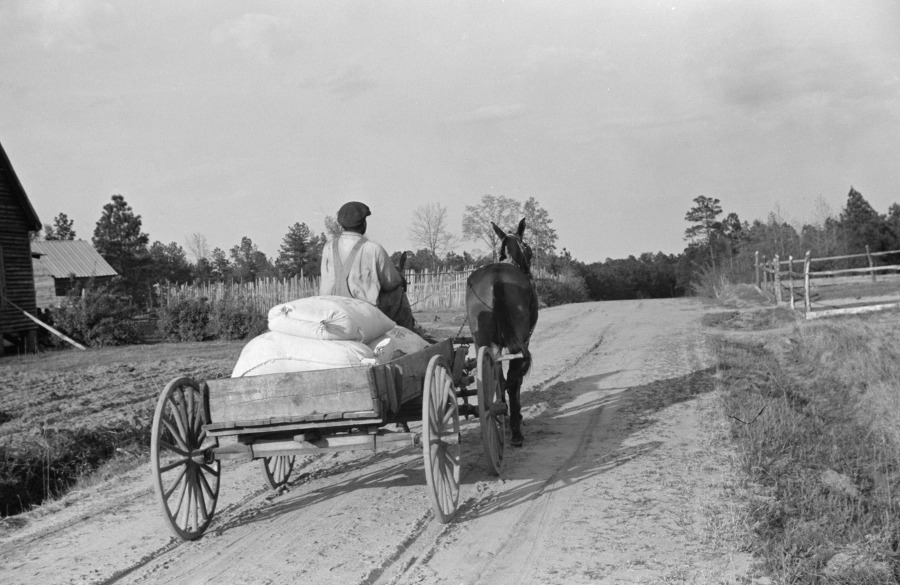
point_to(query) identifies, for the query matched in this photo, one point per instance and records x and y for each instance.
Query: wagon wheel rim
(440, 439)
(186, 478)
(492, 410)
(277, 469)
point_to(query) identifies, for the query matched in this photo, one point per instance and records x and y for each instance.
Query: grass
(818, 434)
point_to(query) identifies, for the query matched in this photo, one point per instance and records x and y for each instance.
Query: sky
(233, 119)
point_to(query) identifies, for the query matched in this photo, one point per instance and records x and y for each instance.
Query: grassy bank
(816, 417)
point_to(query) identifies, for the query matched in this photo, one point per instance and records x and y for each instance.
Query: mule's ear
(402, 262)
(500, 233)
(521, 231)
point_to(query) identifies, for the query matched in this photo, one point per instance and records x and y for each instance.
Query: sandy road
(623, 479)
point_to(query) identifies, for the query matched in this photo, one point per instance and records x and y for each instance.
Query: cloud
(493, 113)
(570, 62)
(262, 36)
(351, 82)
(64, 23)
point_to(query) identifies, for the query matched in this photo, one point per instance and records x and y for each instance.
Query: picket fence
(426, 290)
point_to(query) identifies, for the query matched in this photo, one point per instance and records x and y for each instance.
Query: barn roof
(63, 258)
(6, 168)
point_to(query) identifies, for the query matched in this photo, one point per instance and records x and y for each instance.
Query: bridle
(521, 257)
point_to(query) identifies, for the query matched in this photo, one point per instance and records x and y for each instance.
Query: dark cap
(352, 214)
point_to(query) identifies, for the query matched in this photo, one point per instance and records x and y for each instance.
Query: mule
(502, 310)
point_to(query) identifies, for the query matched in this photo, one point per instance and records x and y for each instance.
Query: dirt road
(624, 478)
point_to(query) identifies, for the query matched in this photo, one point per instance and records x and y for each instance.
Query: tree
(297, 252)
(169, 263)
(332, 227)
(119, 239)
(541, 236)
(220, 267)
(61, 229)
(703, 215)
(863, 226)
(429, 230)
(197, 246)
(249, 262)
(502, 210)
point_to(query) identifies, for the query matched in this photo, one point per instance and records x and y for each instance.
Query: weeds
(822, 461)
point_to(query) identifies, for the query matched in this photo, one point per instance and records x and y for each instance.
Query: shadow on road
(536, 465)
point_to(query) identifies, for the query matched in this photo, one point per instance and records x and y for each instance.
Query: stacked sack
(324, 332)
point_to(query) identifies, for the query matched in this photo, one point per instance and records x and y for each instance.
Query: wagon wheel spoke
(209, 470)
(199, 498)
(176, 434)
(171, 466)
(205, 483)
(177, 416)
(175, 484)
(170, 447)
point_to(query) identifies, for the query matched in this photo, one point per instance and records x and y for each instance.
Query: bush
(561, 290)
(184, 320)
(96, 317)
(236, 318)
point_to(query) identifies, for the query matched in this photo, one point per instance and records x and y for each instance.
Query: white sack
(330, 317)
(277, 353)
(401, 339)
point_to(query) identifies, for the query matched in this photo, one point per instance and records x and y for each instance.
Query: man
(354, 266)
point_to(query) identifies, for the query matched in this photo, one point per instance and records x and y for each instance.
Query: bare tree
(504, 211)
(197, 246)
(429, 230)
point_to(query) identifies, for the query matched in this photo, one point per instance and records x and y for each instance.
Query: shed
(60, 264)
(17, 219)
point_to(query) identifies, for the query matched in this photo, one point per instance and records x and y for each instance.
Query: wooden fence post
(765, 286)
(756, 266)
(791, 278)
(871, 263)
(776, 265)
(807, 300)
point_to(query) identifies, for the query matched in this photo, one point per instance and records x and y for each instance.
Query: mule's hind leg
(513, 387)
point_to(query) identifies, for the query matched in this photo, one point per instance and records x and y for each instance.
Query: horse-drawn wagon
(275, 417)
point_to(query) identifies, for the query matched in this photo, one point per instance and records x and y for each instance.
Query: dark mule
(502, 309)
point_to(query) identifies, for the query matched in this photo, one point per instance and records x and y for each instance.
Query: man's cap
(352, 214)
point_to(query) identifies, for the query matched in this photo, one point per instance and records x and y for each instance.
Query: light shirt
(371, 270)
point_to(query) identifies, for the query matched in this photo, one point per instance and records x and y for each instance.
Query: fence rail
(784, 280)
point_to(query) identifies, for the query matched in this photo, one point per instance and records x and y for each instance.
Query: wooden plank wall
(18, 272)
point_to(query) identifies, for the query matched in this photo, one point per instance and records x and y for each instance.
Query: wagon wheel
(277, 469)
(186, 477)
(440, 439)
(492, 410)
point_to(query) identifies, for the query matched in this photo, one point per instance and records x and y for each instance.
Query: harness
(342, 267)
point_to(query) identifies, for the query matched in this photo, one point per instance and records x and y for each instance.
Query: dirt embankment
(624, 477)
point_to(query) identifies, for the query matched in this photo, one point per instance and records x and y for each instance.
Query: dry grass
(822, 460)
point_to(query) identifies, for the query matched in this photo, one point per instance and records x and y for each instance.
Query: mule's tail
(513, 335)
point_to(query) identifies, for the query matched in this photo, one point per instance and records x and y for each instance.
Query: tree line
(120, 238)
(719, 245)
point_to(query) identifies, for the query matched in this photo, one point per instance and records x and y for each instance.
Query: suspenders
(342, 268)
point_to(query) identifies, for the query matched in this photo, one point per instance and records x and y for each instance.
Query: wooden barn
(17, 219)
(61, 264)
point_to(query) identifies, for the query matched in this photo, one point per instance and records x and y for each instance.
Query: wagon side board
(401, 380)
(298, 395)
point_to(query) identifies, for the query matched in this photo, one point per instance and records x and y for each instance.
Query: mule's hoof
(517, 441)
